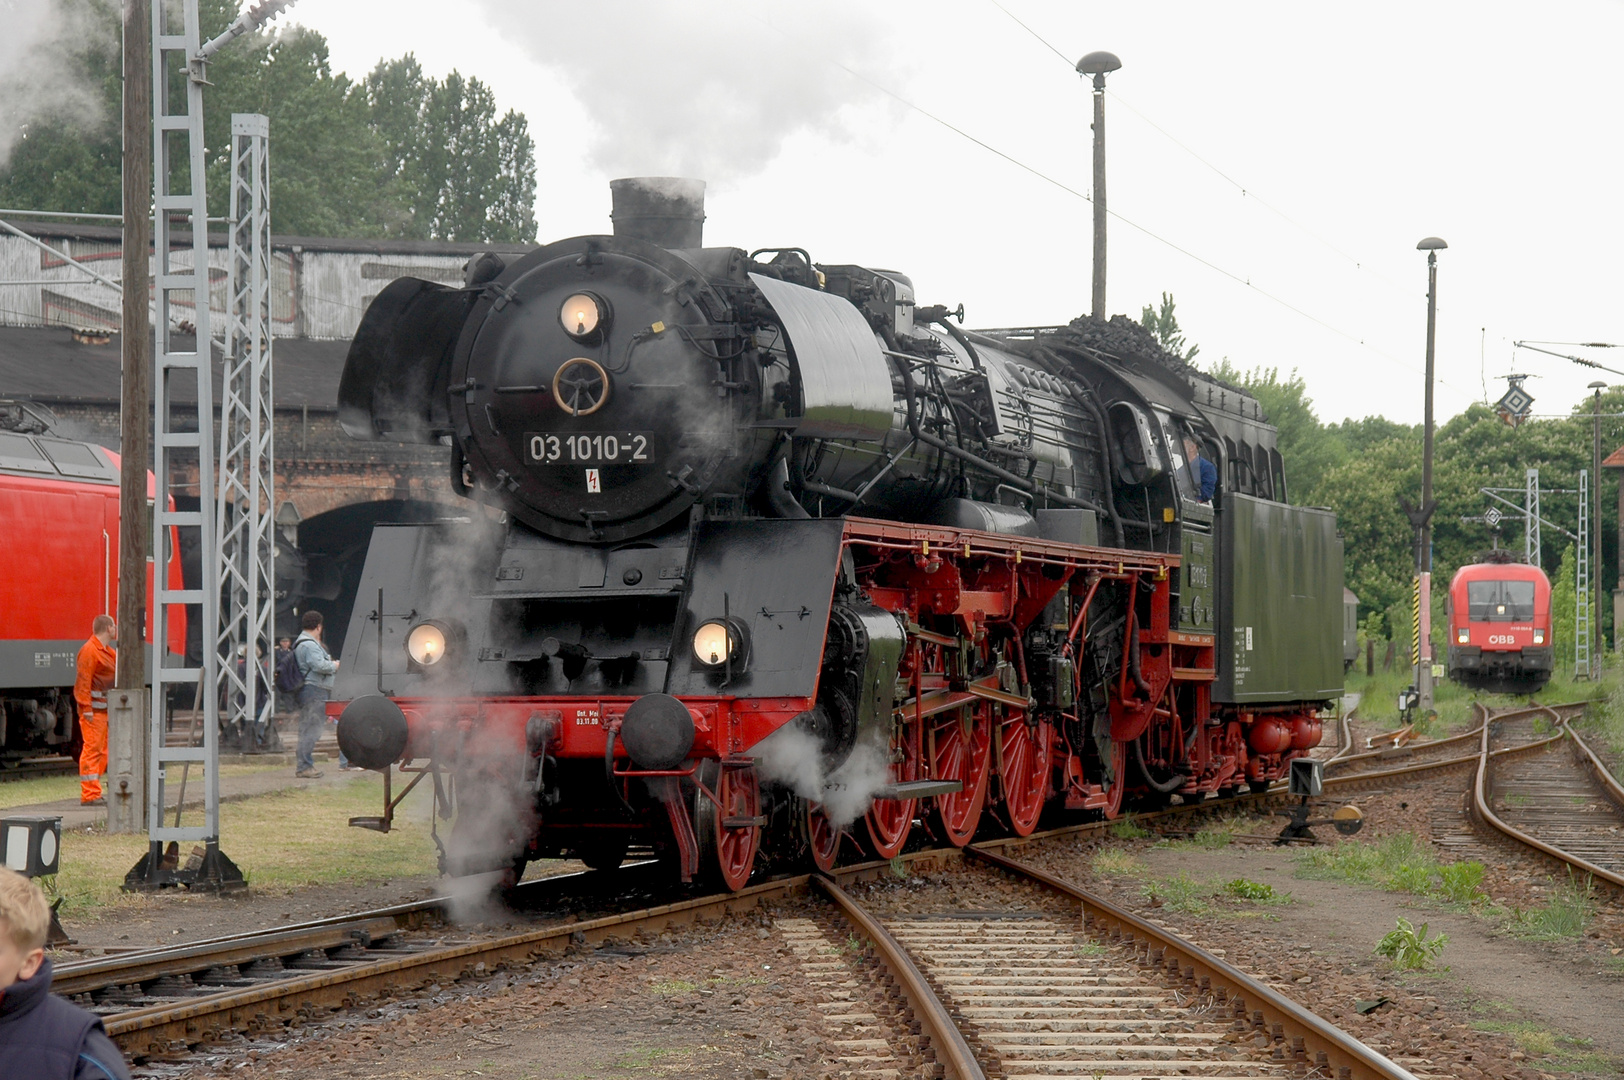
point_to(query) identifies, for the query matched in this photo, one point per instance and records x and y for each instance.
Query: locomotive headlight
(1539, 635)
(1463, 636)
(583, 316)
(426, 643)
(714, 642)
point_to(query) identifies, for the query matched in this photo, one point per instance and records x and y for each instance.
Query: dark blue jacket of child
(44, 1037)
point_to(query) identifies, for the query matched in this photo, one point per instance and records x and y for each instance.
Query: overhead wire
(1245, 192)
(1240, 279)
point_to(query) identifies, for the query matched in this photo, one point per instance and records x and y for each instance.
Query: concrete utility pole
(1431, 245)
(127, 768)
(1097, 64)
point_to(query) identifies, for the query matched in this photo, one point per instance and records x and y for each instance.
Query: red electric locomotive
(1500, 628)
(59, 512)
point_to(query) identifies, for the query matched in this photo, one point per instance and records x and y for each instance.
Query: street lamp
(1097, 64)
(1423, 555)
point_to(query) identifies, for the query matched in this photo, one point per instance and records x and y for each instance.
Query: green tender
(1279, 603)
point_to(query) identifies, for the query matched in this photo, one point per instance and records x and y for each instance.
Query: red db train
(1500, 628)
(59, 513)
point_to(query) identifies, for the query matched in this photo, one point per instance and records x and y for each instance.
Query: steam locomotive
(768, 560)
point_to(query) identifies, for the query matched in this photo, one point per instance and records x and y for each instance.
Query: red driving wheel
(959, 745)
(1026, 756)
(728, 834)
(890, 820)
(1119, 779)
(821, 836)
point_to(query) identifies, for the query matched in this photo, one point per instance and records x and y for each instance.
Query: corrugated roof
(183, 238)
(45, 363)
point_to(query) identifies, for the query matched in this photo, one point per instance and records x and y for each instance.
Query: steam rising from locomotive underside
(787, 561)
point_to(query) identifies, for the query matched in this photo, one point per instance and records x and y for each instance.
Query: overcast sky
(1271, 165)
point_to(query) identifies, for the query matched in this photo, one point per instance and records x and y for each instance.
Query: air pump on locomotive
(772, 561)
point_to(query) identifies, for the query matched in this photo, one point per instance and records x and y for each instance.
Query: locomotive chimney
(664, 210)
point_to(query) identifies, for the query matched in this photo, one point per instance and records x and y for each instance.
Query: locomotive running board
(919, 789)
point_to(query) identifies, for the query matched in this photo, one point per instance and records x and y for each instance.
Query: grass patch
(1453, 702)
(1115, 862)
(1089, 949)
(1242, 889)
(1566, 915)
(1398, 863)
(282, 841)
(1179, 893)
(49, 789)
(1562, 1052)
(1129, 829)
(1213, 837)
(647, 1057)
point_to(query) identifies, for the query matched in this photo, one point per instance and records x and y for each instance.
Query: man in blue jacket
(1202, 471)
(318, 668)
(42, 1037)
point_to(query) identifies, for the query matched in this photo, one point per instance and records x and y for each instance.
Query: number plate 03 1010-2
(590, 448)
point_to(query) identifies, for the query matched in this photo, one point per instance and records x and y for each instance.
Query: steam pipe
(1013, 479)
(778, 497)
(1164, 788)
(1133, 662)
(959, 336)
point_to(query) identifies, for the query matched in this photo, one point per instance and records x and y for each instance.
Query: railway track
(159, 1005)
(993, 995)
(1539, 785)
(30, 768)
(1023, 995)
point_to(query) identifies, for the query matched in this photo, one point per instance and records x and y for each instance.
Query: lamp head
(1431, 243)
(1098, 63)
(1598, 387)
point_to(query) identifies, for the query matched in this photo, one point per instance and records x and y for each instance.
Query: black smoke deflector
(394, 381)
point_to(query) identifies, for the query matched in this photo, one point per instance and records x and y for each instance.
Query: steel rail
(1108, 921)
(1483, 812)
(157, 1030)
(947, 1042)
(1598, 768)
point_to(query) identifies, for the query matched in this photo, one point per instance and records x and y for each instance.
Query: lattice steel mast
(179, 58)
(1531, 550)
(1582, 605)
(244, 519)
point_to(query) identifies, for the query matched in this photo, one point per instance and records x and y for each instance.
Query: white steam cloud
(790, 757)
(709, 91)
(39, 72)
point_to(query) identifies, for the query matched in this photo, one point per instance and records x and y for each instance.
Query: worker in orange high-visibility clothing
(96, 660)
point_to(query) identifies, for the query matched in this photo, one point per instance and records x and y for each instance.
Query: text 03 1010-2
(624, 448)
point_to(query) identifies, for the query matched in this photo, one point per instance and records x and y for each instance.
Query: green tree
(468, 175)
(1309, 454)
(1165, 325)
(450, 168)
(65, 156)
(1565, 605)
(325, 156)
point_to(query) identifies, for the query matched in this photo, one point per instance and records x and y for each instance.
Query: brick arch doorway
(333, 549)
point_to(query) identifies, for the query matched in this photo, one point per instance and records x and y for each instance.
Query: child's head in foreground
(25, 919)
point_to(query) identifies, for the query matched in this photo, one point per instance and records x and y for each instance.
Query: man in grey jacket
(318, 667)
